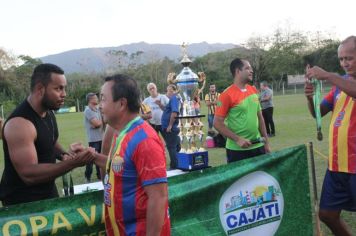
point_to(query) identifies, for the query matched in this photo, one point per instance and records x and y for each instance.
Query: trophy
(191, 128)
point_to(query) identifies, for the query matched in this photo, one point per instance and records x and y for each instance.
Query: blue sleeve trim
(154, 181)
(326, 104)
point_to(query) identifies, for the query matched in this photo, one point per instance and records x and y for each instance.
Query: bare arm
(159, 103)
(346, 85)
(1, 124)
(96, 123)
(156, 208)
(266, 98)
(263, 132)
(58, 147)
(171, 121)
(309, 92)
(146, 116)
(101, 159)
(64, 155)
(212, 103)
(91, 116)
(23, 154)
(107, 139)
(58, 151)
(221, 127)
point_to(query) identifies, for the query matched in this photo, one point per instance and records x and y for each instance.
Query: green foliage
(78, 85)
(8, 106)
(155, 72)
(325, 57)
(272, 58)
(216, 66)
(15, 80)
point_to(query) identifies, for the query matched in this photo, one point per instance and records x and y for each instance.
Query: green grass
(294, 126)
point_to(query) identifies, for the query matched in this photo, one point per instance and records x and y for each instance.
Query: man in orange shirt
(238, 115)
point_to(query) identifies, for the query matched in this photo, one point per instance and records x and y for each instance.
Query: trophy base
(192, 161)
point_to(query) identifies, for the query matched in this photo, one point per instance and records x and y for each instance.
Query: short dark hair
(125, 87)
(237, 63)
(89, 96)
(173, 87)
(42, 74)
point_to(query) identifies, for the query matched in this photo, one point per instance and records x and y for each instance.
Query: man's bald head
(349, 40)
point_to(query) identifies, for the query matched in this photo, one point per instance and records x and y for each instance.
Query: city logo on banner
(253, 205)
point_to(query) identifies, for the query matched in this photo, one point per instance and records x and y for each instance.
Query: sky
(44, 27)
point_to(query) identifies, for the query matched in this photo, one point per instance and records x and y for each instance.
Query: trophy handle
(201, 79)
(171, 78)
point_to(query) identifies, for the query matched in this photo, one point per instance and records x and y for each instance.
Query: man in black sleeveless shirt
(30, 142)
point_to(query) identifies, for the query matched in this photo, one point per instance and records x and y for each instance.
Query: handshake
(79, 155)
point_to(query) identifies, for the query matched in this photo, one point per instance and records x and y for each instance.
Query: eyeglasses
(152, 88)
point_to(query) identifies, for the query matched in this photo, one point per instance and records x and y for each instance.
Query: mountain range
(89, 60)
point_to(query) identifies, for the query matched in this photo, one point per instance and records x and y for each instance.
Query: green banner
(76, 215)
(265, 195)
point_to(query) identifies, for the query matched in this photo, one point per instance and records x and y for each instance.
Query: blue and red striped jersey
(136, 160)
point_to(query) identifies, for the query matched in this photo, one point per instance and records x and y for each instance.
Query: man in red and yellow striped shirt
(339, 188)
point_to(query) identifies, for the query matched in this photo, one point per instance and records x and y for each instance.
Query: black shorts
(339, 191)
(234, 155)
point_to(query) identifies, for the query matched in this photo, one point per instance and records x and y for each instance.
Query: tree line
(272, 57)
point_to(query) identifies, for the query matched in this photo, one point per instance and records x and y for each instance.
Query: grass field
(293, 123)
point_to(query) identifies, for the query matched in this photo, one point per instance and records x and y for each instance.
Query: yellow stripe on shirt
(111, 209)
(332, 152)
(343, 135)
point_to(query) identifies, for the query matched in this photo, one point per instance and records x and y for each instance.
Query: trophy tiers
(192, 155)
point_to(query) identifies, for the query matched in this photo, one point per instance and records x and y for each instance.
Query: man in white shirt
(156, 102)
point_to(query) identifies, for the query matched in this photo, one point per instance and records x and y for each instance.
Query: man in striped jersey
(135, 182)
(211, 100)
(339, 187)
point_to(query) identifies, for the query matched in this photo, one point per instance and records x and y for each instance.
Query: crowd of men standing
(130, 155)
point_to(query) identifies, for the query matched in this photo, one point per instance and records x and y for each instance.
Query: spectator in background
(196, 104)
(94, 130)
(266, 99)
(211, 100)
(238, 115)
(181, 103)
(156, 102)
(196, 98)
(170, 128)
